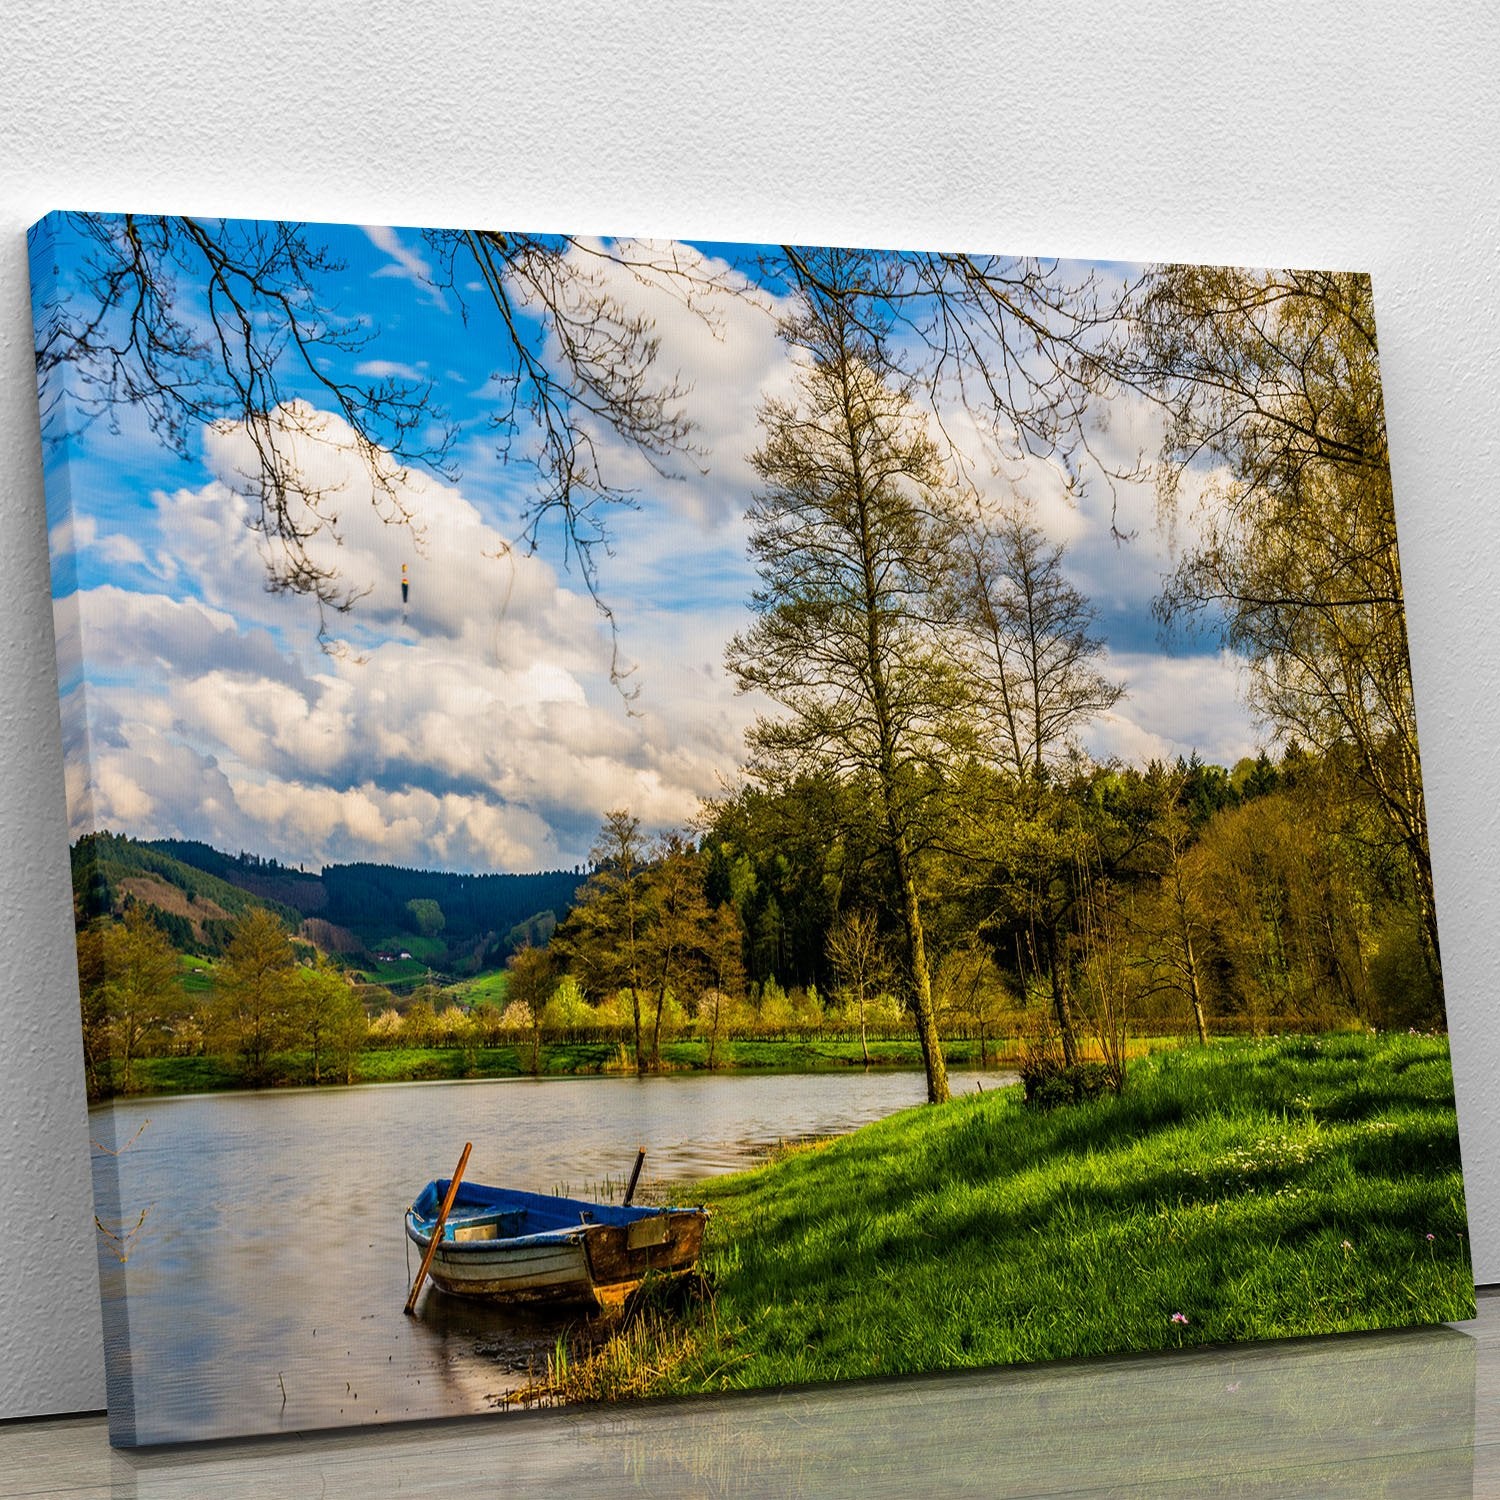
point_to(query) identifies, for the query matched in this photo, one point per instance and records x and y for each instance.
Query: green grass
(1260, 1190)
(489, 988)
(397, 971)
(185, 1075)
(197, 976)
(406, 1064)
(817, 1055)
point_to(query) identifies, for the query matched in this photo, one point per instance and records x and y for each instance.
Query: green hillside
(376, 900)
(370, 914)
(194, 908)
(267, 878)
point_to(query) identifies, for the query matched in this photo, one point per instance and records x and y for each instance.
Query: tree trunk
(127, 1058)
(641, 1060)
(635, 986)
(1427, 914)
(921, 980)
(661, 1000)
(1061, 1009)
(1190, 963)
(1195, 993)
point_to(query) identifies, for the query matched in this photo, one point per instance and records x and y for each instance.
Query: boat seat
(485, 1226)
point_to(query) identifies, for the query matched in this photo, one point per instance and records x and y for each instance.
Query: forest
(915, 840)
(1184, 900)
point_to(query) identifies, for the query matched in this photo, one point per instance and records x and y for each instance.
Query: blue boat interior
(482, 1213)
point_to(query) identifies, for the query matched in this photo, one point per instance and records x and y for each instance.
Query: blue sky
(479, 728)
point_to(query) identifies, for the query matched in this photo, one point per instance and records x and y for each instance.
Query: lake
(264, 1286)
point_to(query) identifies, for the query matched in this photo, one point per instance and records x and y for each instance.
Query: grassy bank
(187, 1075)
(1256, 1190)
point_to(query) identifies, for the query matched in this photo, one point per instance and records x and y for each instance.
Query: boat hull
(552, 1273)
(505, 1246)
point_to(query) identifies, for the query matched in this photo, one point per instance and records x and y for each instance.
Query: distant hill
(194, 907)
(372, 897)
(476, 920)
(267, 878)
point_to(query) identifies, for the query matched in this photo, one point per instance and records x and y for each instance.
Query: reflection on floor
(1415, 1413)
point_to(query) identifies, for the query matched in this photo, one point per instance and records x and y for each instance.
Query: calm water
(272, 1258)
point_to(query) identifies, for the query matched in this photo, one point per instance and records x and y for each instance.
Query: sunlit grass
(1254, 1190)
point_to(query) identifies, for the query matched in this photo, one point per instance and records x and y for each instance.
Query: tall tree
(93, 1008)
(253, 981)
(533, 977)
(857, 956)
(1271, 385)
(724, 967)
(326, 1014)
(141, 987)
(677, 928)
(1031, 645)
(1176, 921)
(602, 938)
(972, 990)
(1107, 977)
(853, 537)
(1034, 656)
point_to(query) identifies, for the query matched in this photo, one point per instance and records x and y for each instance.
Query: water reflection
(1362, 1416)
(264, 1290)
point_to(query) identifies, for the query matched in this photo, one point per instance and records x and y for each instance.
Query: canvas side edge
(53, 398)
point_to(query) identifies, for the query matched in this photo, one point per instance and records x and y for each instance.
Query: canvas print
(670, 817)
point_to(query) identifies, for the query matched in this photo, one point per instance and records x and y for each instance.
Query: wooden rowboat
(503, 1245)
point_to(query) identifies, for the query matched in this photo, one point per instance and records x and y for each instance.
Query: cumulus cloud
(1175, 705)
(118, 631)
(476, 728)
(723, 347)
(475, 725)
(464, 574)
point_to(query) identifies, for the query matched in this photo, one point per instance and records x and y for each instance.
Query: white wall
(1300, 134)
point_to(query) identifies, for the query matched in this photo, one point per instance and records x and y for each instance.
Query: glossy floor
(1411, 1413)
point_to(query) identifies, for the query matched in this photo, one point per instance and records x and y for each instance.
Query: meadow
(1248, 1190)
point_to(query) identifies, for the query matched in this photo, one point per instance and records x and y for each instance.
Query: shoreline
(1251, 1192)
(174, 1077)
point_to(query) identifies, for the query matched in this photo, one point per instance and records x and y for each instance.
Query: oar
(635, 1174)
(437, 1229)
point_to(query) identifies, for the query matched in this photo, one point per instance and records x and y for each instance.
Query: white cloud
(389, 369)
(483, 732)
(463, 574)
(1175, 705)
(69, 536)
(406, 263)
(119, 631)
(80, 534)
(725, 350)
(475, 726)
